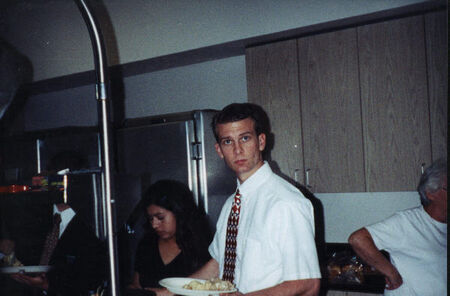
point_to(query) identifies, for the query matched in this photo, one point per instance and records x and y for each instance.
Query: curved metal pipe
(102, 96)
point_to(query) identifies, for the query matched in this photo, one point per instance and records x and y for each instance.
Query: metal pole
(102, 96)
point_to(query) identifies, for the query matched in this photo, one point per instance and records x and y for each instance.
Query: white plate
(25, 269)
(175, 285)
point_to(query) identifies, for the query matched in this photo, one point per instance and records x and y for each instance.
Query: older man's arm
(363, 244)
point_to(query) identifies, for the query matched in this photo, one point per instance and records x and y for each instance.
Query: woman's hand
(160, 291)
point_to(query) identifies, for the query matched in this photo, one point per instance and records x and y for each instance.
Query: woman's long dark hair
(193, 234)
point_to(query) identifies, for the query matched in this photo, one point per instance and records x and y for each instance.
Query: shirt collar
(66, 216)
(255, 180)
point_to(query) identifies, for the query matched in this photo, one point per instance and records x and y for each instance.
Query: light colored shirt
(66, 217)
(417, 245)
(275, 241)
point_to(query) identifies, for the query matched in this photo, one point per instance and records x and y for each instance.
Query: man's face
(241, 147)
(439, 198)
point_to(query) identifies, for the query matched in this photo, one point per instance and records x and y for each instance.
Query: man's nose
(237, 148)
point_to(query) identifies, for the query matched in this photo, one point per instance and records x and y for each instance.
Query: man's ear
(218, 150)
(262, 141)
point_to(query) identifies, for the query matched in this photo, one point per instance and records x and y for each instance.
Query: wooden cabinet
(359, 109)
(331, 112)
(437, 62)
(394, 100)
(272, 75)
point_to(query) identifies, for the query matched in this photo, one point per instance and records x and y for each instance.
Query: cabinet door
(272, 82)
(437, 62)
(331, 111)
(394, 103)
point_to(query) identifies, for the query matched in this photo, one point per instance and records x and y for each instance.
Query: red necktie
(51, 240)
(230, 245)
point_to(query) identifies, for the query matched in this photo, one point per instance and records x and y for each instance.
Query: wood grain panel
(395, 103)
(272, 82)
(436, 35)
(331, 111)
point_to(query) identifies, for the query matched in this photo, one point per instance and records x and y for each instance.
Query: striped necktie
(51, 240)
(230, 245)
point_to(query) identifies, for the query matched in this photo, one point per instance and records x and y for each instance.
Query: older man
(416, 240)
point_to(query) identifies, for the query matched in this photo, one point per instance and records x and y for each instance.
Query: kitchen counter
(342, 270)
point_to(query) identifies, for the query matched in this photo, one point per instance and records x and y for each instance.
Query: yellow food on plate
(209, 285)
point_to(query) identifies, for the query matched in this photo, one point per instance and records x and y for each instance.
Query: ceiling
(54, 37)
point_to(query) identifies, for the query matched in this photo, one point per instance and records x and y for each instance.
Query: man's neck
(436, 213)
(247, 175)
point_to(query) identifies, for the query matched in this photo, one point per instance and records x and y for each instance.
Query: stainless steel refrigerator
(180, 147)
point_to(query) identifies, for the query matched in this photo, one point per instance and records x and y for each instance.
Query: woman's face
(162, 221)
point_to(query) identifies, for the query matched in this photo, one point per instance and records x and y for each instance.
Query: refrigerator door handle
(196, 150)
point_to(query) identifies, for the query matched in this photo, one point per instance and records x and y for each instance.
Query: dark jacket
(79, 261)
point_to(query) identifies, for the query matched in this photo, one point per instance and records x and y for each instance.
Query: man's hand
(304, 287)
(237, 293)
(39, 281)
(393, 281)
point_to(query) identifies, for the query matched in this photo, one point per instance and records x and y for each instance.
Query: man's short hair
(432, 180)
(240, 111)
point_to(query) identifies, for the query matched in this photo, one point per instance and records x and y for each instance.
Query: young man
(274, 251)
(416, 240)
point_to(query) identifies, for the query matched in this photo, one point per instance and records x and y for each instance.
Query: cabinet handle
(307, 178)
(422, 167)
(296, 175)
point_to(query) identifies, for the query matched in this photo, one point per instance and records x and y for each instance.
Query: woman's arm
(208, 271)
(135, 282)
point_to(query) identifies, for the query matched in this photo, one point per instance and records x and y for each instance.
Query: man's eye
(226, 142)
(245, 138)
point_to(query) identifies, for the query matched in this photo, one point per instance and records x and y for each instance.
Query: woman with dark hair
(177, 238)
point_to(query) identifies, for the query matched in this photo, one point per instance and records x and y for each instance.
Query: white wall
(209, 85)
(347, 212)
(53, 35)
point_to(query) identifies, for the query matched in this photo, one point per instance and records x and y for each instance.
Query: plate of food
(25, 269)
(197, 287)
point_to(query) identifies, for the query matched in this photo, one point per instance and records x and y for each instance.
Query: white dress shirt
(275, 241)
(66, 217)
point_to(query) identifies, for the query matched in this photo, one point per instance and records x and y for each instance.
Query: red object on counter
(14, 188)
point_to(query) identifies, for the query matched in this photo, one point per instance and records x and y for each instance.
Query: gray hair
(432, 180)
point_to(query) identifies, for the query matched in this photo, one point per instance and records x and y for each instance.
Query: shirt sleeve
(385, 232)
(294, 237)
(214, 247)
